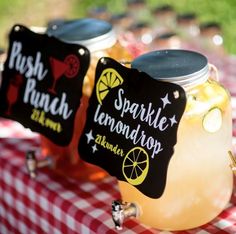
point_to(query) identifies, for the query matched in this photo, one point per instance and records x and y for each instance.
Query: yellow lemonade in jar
(199, 179)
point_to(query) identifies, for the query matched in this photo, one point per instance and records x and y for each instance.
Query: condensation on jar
(100, 39)
(199, 179)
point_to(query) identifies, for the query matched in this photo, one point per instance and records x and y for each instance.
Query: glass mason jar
(199, 179)
(100, 39)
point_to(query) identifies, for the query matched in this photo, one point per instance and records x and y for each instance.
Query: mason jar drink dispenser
(199, 179)
(99, 37)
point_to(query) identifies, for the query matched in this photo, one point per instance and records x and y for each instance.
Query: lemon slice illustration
(135, 166)
(212, 121)
(109, 79)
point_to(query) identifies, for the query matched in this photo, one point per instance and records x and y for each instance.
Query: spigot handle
(46, 162)
(122, 210)
(32, 164)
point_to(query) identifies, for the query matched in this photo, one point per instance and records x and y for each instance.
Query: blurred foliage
(30, 13)
(38, 13)
(219, 11)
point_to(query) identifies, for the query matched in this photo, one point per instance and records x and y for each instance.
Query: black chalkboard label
(131, 126)
(42, 83)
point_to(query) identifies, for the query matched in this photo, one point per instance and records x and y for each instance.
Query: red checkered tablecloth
(54, 204)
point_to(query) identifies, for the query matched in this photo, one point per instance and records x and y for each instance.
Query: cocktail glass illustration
(13, 92)
(69, 67)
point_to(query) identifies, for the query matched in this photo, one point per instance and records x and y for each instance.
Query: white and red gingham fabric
(55, 204)
(52, 204)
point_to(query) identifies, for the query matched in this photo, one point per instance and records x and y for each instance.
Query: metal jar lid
(94, 34)
(183, 67)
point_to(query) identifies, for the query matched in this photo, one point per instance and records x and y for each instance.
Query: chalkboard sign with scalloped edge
(42, 83)
(131, 126)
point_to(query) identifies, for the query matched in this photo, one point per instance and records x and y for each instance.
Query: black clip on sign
(131, 126)
(42, 83)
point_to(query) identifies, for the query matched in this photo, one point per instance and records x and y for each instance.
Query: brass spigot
(32, 164)
(121, 211)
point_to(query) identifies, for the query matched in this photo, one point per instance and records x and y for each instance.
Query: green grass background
(36, 12)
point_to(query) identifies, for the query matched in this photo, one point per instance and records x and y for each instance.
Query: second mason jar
(100, 39)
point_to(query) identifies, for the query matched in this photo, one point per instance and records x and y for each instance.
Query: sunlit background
(39, 13)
